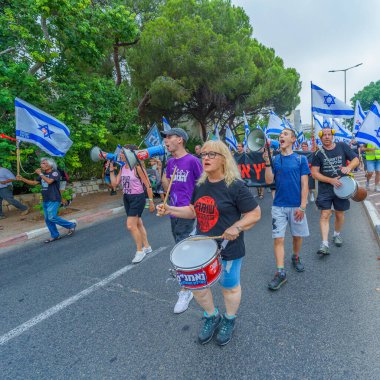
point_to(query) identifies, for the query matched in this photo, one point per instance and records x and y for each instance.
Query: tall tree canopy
(368, 95)
(198, 59)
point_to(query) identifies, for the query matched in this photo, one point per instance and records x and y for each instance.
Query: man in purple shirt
(188, 171)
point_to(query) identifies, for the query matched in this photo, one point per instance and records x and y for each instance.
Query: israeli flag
(301, 137)
(341, 133)
(275, 124)
(231, 139)
(359, 116)
(287, 123)
(216, 136)
(317, 128)
(325, 104)
(153, 137)
(41, 129)
(247, 131)
(369, 132)
(166, 124)
(326, 122)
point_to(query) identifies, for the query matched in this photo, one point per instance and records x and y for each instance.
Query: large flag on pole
(231, 139)
(369, 132)
(216, 136)
(41, 129)
(317, 128)
(341, 133)
(325, 104)
(275, 124)
(166, 124)
(359, 117)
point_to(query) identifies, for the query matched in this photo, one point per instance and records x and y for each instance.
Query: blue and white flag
(287, 123)
(326, 122)
(153, 137)
(39, 128)
(359, 116)
(166, 124)
(215, 136)
(231, 139)
(369, 132)
(317, 128)
(341, 133)
(247, 131)
(301, 137)
(325, 104)
(275, 124)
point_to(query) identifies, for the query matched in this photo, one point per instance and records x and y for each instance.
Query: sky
(315, 36)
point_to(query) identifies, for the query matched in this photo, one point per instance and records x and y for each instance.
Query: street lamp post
(345, 71)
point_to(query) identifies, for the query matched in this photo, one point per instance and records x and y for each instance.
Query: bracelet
(151, 199)
(267, 165)
(302, 209)
(238, 228)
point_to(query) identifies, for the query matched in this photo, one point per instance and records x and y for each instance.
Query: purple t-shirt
(189, 169)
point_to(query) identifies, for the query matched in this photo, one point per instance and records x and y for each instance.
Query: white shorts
(282, 216)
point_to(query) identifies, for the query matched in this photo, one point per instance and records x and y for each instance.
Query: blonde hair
(230, 169)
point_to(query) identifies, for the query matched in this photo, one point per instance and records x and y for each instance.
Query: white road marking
(69, 301)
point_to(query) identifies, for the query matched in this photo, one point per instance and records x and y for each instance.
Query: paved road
(59, 321)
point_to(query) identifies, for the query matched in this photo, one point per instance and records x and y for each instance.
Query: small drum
(350, 189)
(198, 263)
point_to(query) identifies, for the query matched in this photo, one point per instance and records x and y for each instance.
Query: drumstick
(170, 185)
(205, 237)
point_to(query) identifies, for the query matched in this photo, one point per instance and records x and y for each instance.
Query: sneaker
(138, 257)
(113, 192)
(225, 331)
(147, 249)
(25, 212)
(323, 250)
(184, 298)
(338, 241)
(298, 266)
(312, 198)
(278, 281)
(209, 327)
(2, 216)
(377, 188)
(367, 185)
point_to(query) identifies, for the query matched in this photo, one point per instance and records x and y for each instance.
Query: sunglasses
(210, 154)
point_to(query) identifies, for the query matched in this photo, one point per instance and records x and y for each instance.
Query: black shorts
(134, 204)
(324, 202)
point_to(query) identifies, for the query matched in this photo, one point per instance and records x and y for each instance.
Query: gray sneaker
(338, 241)
(323, 250)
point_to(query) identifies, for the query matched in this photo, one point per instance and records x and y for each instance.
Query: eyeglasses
(210, 154)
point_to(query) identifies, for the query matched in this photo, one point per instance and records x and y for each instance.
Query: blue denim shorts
(230, 277)
(373, 166)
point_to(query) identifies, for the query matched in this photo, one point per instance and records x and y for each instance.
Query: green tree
(198, 60)
(367, 95)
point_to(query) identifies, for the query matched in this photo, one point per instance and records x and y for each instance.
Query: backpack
(64, 175)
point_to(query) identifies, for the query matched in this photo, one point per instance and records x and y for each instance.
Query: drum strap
(332, 167)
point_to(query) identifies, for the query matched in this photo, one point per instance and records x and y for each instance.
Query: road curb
(374, 218)
(80, 221)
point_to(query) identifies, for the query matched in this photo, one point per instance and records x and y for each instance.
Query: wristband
(302, 209)
(267, 165)
(151, 199)
(238, 228)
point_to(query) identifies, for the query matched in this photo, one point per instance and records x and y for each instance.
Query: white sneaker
(184, 298)
(147, 249)
(312, 199)
(138, 257)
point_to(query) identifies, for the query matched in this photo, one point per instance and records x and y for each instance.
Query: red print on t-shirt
(207, 213)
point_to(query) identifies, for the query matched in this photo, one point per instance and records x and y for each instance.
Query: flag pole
(313, 147)
(18, 156)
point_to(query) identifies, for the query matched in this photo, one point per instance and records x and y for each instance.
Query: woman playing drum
(223, 206)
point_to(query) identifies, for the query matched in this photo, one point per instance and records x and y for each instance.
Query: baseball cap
(176, 131)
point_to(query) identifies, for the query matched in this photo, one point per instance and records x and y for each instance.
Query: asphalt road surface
(77, 309)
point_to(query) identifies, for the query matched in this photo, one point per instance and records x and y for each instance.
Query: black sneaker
(209, 327)
(298, 266)
(113, 192)
(225, 331)
(279, 279)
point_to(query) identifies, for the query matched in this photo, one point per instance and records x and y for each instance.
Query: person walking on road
(6, 192)
(305, 148)
(133, 181)
(330, 159)
(188, 171)
(291, 174)
(48, 177)
(372, 157)
(233, 211)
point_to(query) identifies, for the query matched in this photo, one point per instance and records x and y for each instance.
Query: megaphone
(256, 140)
(132, 157)
(97, 154)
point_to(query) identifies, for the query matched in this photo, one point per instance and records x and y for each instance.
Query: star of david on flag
(325, 104)
(369, 132)
(39, 128)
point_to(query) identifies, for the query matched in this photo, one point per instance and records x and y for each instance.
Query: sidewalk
(98, 206)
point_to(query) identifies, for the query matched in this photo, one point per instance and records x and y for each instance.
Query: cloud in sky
(317, 36)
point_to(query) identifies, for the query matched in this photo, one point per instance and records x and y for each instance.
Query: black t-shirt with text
(218, 207)
(50, 193)
(337, 157)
